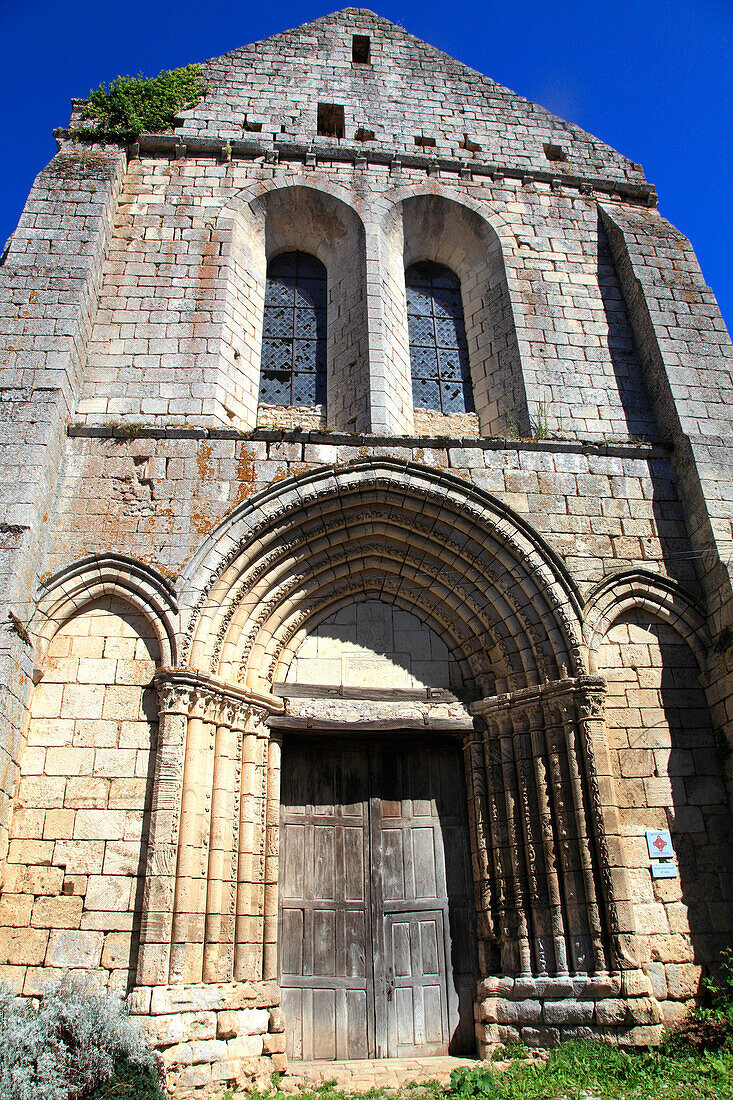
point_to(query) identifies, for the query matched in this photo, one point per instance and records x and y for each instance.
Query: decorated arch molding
(107, 576)
(423, 540)
(662, 598)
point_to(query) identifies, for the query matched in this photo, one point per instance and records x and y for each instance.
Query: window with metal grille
(441, 379)
(294, 339)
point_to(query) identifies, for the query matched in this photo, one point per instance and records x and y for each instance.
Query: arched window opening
(294, 336)
(441, 378)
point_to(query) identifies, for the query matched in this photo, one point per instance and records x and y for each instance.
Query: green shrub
(66, 1046)
(133, 105)
(130, 1082)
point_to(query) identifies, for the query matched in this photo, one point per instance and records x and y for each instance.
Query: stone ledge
(137, 430)
(181, 146)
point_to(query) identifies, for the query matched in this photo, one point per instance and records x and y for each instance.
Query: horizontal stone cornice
(312, 153)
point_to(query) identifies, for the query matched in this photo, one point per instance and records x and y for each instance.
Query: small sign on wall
(659, 844)
(661, 853)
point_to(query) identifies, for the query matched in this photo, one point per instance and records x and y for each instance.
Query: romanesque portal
(367, 544)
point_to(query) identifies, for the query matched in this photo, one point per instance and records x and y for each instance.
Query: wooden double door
(377, 937)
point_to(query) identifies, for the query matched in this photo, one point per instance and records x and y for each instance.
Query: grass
(577, 1070)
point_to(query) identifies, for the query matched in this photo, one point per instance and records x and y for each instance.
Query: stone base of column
(212, 1037)
(543, 1012)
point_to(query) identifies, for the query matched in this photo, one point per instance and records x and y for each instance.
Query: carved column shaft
(160, 872)
(482, 839)
(219, 945)
(189, 914)
(585, 842)
(604, 813)
(536, 720)
(251, 873)
(514, 835)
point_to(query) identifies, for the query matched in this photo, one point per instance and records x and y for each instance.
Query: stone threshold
(362, 1074)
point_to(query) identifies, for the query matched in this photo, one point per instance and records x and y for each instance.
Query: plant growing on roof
(133, 105)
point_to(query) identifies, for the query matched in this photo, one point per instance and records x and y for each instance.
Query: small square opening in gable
(330, 120)
(361, 49)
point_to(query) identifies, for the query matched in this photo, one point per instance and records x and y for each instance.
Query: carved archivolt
(421, 539)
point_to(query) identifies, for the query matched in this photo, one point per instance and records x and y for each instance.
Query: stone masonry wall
(156, 356)
(669, 775)
(72, 881)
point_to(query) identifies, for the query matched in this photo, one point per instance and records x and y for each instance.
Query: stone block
(610, 1012)
(541, 1037)
(568, 1013)
(518, 1012)
(635, 983)
(108, 893)
(33, 880)
(117, 950)
(200, 1050)
(193, 1077)
(244, 1021)
(183, 1027)
(23, 946)
(15, 910)
(645, 1036)
(245, 1046)
(229, 1069)
(273, 1043)
(683, 980)
(74, 949)
(60, 912)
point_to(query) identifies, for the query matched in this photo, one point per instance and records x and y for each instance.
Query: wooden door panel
(417, 1014)
(377, 941)
(326, 979)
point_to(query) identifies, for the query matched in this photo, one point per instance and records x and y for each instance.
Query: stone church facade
(366, 535)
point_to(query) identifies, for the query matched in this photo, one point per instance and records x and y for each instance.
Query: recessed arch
(445, 551)
(130, 582)
(298, 216)
(661, 597)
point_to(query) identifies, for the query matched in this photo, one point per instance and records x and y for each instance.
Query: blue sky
(654, 79)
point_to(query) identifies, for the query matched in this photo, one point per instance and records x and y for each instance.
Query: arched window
(441, 379)
(293, 368)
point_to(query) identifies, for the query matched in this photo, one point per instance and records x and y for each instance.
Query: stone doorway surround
(555, 924)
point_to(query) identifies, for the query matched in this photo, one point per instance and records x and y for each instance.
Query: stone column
(249, 930)
(483, 846)
(272, 861)
(160, 871)
(516, 851)
(189, 911)
(543, 785)
(590, 704)
(223, 843)
(204, 893)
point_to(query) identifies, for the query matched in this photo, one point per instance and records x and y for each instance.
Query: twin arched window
(294, 339)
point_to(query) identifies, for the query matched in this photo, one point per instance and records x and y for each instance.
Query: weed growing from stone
(133, 105)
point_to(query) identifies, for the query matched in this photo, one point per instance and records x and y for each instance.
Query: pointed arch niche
(310, 221)
(443, 231)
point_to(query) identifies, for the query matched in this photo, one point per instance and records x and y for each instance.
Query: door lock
(390, 984)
